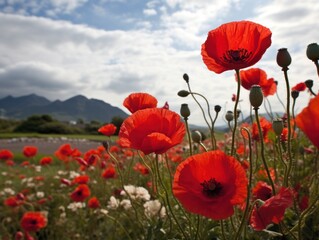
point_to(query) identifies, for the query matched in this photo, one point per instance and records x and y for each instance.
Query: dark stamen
(211, 187)
(236, 56)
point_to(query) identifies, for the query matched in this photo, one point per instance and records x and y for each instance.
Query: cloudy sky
(107, 49)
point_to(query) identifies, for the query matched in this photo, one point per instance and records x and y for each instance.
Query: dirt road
(46, 145)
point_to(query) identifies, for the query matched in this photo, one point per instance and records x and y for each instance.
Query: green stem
(122, 227)
(201, 108)
(288, 126)
(222, 228)
(262, 152)
(189, 137)
(317, 66)
(167, 198)
(243, 220)
(235, 114)
(211, 128)
(122, 183)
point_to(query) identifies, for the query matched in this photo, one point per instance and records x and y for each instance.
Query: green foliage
(59, 128)
(117, 121)
(33, 123)
(92, 127)
(7, 125)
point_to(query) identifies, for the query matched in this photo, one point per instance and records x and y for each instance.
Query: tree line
(46, 124)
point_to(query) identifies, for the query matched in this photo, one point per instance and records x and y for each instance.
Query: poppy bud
(283, 58)
(185, 112)
(294, 94)
(217, 108)
(229, 116)
(278, 126)
(105, 145)
(256, 96)
(197, 136)
(313, 51)
(183, 93)
(186, 78)
(309, 83)
(19, 236)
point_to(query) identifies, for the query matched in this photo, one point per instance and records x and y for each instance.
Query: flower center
(236, 56)
(211, 187)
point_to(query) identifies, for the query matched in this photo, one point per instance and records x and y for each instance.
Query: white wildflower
(75, 206)
(73, 174)
(113, 203)
(130, 189)
(30, 184)
(62, 208)
(154, 208)
(126, 204)
(142, 193)
(136, 192)
(40, 194)
(60, 172)
(37, 168)
(8, 182)
(104, 211)
(8, 191)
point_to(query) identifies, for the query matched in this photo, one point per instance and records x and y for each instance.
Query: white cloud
(149, 12)
(108, 65)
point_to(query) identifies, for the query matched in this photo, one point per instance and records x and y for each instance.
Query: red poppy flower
(13, 201)
(299, 87)
(306, 120)
(142, 169)
(152, 130)
(6, 154)
(210, 184)
(114, 149)
(265, 125)
(46, 161)
(262, 191)
(108, 129)
(272, 211)
(139, 101)
(80, 193)
(257, 76)
(33, 221)
(109, 172)
(235, 45)
(82, 179)
(65, 152)
(94, 203)
(29, 151)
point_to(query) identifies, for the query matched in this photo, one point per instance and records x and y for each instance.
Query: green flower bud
(256, 96)
(278, 126)
(283, 58)
(294, 94)
(186, 78)
(183, 93)
(313, 51)
(197, 136)
(185, 112)
(229, 116)
(217, 108)
(309, 83)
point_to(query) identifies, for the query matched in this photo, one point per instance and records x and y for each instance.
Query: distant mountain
(72, 109)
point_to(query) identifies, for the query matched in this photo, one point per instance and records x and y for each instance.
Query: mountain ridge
(71, 109)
